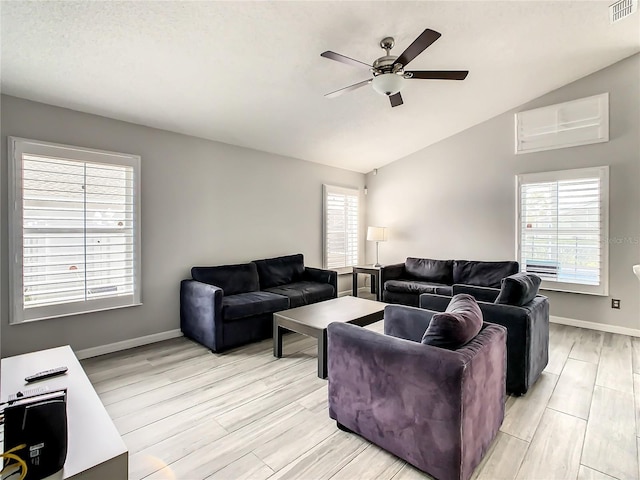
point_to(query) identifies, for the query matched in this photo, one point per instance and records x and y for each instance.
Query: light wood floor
(186, 413)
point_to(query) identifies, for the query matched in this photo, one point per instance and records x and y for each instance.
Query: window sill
(569, 289)
(32, 320)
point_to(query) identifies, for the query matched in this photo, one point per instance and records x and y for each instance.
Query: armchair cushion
(483, 274)
(426, 269)
(232, 279)
(304, 293)
(248, 304)
(278, 271)
(411, 286)
(519, 289)
(456, 326)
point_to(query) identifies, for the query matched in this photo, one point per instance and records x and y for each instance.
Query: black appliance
(40, 423)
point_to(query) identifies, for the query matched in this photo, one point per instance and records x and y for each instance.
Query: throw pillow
(519, 289)
(456, 326)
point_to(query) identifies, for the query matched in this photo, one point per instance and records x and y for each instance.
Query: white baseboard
(125, 344)
(344, 293)
(602, 327)
(158, 337)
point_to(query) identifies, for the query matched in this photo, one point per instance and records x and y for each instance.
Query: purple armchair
(437, 409)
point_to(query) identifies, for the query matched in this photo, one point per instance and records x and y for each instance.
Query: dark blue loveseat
(226, 306)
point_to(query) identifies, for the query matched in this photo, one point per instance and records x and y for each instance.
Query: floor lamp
(377, 234)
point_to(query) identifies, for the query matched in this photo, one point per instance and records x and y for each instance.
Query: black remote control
(46, 374)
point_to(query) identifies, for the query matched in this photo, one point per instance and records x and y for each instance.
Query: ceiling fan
(389, 71)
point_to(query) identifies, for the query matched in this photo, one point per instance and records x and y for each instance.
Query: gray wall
(456, 199)
(203, 203)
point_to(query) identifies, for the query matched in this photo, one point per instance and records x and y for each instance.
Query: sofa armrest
(503, 314)
(527, 339)
(481, 294)
(391, 272)
(322, 276)
(431, 301)
(201, 312)
(405, 322)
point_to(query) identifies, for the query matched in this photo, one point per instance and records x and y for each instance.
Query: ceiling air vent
(622, 9)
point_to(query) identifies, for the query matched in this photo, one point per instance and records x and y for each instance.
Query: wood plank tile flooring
(188, 414)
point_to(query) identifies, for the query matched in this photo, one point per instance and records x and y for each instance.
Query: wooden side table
(375, 279)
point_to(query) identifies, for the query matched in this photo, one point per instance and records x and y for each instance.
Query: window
(340, 227)
(568, 124)
(562, 228)
(74, 230)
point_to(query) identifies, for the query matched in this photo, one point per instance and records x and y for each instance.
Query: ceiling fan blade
(350, 88)
(440, 74)
(425, 39)
(341, 58)
(396, 99)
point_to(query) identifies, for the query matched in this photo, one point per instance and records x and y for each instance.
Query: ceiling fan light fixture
(387, 83)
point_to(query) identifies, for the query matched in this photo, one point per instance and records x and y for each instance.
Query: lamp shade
(387, 83)
(636, 270)
(377, 234)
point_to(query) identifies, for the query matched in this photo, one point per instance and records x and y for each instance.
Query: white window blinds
(562, 229)
(341, 211)
(75, 230)
(569, 124)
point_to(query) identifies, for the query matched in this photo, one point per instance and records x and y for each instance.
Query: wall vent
(622, 9)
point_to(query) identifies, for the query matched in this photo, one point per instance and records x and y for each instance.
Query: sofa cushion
(456, 326)
(304, 293)
(483, 274)
(249, 304)
(280, 270)
(428, 270)
(232, 279)
(411, 286)
(519, 289)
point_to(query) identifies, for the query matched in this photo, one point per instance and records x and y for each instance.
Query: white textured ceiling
(250, 73)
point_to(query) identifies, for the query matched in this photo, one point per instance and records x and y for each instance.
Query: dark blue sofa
(230, 305)
(403, 283)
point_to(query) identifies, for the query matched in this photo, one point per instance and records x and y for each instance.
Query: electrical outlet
(615, 303)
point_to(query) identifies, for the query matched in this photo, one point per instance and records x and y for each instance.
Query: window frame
(18, 146)
(326, 189)
(574, 174)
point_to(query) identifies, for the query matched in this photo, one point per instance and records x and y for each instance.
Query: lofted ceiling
(250, 73)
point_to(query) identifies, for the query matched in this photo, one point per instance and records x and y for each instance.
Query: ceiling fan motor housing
(384, 64)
